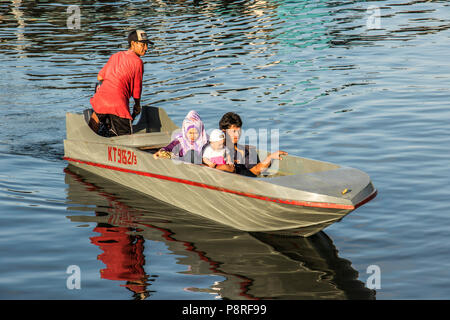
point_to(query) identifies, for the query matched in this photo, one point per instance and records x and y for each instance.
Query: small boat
(301, 198)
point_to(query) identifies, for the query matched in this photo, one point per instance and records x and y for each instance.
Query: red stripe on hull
(245, 194)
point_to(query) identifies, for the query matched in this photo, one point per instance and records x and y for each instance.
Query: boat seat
(153, 119)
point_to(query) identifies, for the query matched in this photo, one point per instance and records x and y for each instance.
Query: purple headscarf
(192, 120)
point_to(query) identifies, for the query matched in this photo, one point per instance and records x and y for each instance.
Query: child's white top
(215, 156)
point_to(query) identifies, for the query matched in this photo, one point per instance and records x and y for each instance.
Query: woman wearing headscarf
(188, 144)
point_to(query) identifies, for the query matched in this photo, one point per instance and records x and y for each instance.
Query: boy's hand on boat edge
(260, 167)
(277, 155)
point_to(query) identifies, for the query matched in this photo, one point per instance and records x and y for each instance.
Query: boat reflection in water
(254, 265)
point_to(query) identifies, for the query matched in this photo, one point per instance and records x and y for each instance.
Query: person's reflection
(123, 252)
(123, 257)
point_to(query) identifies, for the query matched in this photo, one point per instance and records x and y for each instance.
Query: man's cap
(139, 36)
(216, 135)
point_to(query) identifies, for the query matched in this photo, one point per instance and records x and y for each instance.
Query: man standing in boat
(246, 160)
(120, 79)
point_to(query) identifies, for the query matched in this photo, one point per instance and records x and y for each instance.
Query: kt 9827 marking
(123, 156)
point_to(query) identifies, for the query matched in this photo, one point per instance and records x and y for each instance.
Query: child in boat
(187, 145)
(215, 152)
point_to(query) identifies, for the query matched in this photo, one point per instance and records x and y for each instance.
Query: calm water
(337, 90)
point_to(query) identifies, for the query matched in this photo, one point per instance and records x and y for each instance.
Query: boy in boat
(245, 158)
(215, 152)
(121, 79)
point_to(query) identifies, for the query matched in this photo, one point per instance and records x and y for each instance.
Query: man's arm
(101, 73)
(137, 90)
(136, 108)
(260, 167)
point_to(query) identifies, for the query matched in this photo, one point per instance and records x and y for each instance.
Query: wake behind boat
(301, 198)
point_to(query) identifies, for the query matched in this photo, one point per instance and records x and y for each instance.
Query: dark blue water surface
(338, 86)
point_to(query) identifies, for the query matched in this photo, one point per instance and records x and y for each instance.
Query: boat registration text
(123, 156)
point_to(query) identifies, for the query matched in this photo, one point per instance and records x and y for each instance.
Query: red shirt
(122, 79)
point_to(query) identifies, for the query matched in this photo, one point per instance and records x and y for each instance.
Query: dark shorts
(244, 170)
(116, 126)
